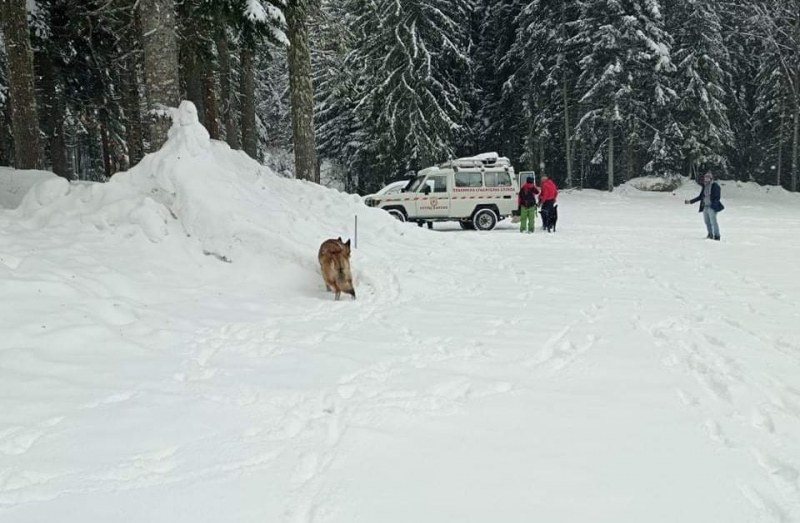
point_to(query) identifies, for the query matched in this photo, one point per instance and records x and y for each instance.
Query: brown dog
(334, 261)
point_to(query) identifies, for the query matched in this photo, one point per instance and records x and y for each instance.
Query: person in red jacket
(527, 205)
(547, 204)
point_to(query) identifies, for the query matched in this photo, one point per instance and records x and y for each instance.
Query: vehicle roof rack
(480, 161)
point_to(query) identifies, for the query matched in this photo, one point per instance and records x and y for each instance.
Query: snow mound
(14, 185)
(220, 201)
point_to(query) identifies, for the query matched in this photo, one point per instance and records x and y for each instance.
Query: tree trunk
(795, 140)
(565, 97)
(160, 46)
(192, 81)
(210, 103)
(226, 94)
(780, 145)
(133, 116)
(248, 92)
(105, 141)
(301, 91)
(24, 117)
(567, 137)
(54, 110)
(6, 139)
(541, 164)
(610, 155)
(628, 160)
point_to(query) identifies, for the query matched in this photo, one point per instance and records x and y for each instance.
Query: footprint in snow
(686, 398)
(714, 431)
(762, 420)
(18, 440)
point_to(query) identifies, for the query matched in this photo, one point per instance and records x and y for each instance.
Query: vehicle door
(433, 200)
(467, 192)
(501, 190)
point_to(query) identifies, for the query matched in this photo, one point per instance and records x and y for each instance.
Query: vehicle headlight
(371, 202)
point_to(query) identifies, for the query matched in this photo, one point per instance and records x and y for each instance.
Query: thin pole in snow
(355, 236)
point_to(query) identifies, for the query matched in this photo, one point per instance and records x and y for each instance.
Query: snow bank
(219, 200)
(15, 184)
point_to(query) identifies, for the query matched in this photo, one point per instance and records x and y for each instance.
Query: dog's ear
(340, 238)
(348, 242)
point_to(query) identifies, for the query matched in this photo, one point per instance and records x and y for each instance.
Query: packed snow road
(621, 370)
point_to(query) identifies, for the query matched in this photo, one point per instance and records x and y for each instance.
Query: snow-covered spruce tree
(87, 61)
(24, 113)
(414, 62)
(260, 22)
(272, 99)
(501, 125)
(624, 73)
(703, 64)
(745, 49)
(338, 127)
(541, 60)
(777, 22)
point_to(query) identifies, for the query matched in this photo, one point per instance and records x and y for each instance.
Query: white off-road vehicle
(477, 191)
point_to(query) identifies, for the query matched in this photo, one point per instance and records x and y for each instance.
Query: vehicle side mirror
(426, 189)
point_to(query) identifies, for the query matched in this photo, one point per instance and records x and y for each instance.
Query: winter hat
(529, 179)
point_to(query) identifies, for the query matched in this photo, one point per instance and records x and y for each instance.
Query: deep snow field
(168, 354)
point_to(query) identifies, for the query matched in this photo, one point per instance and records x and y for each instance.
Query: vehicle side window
(468, 179)
(439, 183)
(497, 179)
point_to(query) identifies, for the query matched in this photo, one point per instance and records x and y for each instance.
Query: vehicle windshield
(415, 184)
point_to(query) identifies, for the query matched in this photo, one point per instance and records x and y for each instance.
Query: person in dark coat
(710, 205)
(527, 205)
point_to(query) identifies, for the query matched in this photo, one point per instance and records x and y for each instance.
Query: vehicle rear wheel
(467, 225)
(397, 214)
(484, 220)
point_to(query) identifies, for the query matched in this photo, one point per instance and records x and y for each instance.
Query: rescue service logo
(433, 204)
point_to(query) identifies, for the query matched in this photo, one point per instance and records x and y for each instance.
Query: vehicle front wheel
(484, 220)
(467, 225)
(397, 214)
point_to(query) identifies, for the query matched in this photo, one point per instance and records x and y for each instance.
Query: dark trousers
(548, 215)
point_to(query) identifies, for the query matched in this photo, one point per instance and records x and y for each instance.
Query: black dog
(549, 212)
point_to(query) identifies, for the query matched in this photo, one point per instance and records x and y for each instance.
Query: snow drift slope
(622, 370)
(215, 201)
(14, 185)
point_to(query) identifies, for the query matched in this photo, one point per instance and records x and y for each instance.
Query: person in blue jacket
(710, 205)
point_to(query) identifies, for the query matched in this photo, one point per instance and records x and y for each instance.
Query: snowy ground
(622, 370)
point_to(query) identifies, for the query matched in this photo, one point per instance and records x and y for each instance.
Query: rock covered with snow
(657, 183)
